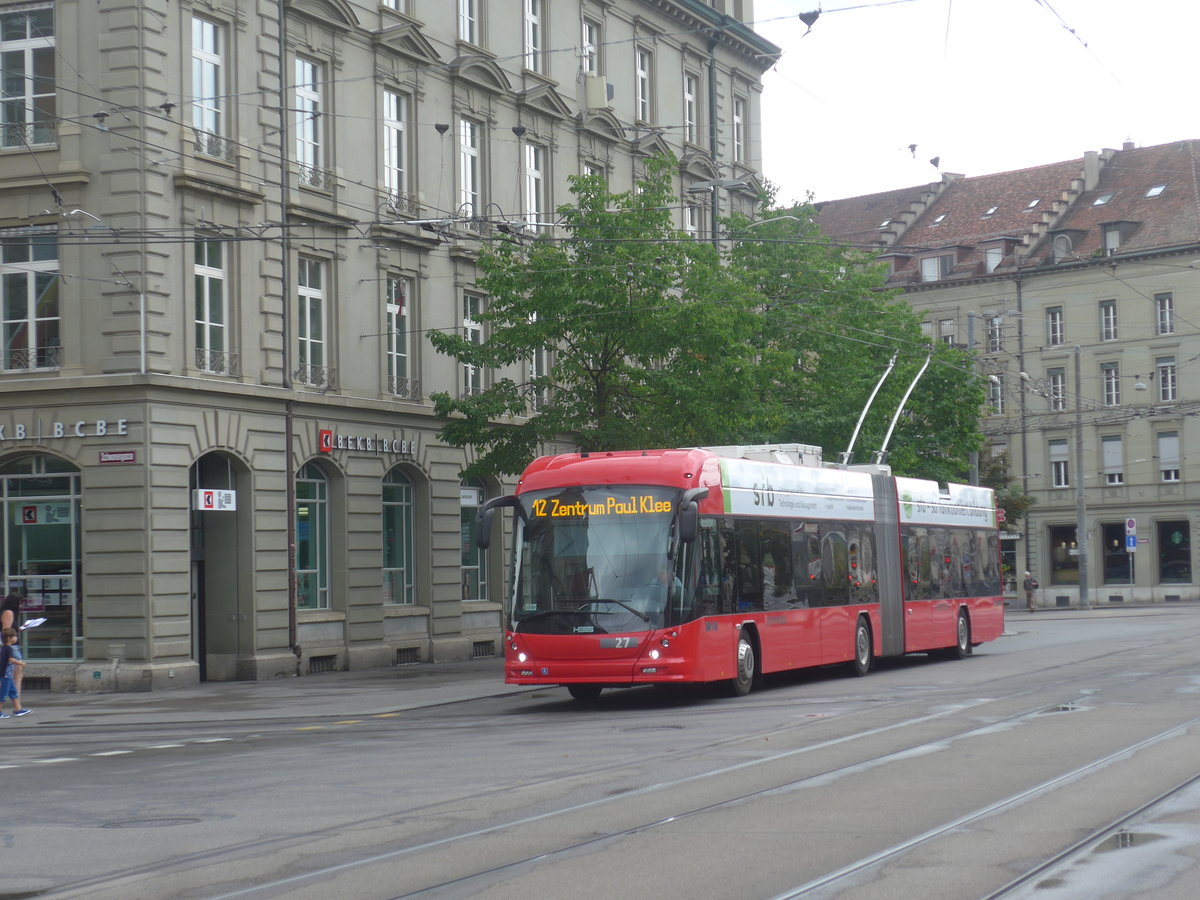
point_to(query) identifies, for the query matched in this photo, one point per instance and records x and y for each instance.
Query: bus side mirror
(483, 518)
(689, 518)
(483, 528)
(689, 513)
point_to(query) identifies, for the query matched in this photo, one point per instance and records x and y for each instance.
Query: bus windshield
(595, 560)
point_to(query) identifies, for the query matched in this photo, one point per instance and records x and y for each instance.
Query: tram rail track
(1040, 700)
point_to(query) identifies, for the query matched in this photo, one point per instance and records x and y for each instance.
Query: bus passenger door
(918, 591)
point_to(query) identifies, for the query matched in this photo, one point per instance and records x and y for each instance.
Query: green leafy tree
(994, 473)
(651, 341)
(656, 340)
(828, 332)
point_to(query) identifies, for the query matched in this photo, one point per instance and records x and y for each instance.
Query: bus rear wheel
(863, 651)
(962, 639)
(743, 681)
(585, 693)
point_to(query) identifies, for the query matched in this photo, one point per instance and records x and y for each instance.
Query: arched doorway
(222, 613)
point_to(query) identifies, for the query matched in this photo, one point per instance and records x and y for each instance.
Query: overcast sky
(985, 85)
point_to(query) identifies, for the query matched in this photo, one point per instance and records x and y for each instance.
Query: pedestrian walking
(11, 663)
(1031, 585)
(10, 611)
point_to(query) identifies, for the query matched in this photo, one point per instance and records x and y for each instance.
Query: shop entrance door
(220, 621)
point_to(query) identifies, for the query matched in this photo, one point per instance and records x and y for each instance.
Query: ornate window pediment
(602, 124)
(650, 143)
(699, 166)
(337, 13)
(481, 72)
(545, 99)
(406, 39)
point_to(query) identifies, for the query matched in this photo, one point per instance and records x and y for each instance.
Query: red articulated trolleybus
(727, 563)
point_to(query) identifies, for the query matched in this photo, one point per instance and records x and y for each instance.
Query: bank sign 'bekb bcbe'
(328, 440)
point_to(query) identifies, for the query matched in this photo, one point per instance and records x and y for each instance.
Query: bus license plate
(621, 643)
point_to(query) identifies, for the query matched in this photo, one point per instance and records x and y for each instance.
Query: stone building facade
(1077, 285)
(222, 245)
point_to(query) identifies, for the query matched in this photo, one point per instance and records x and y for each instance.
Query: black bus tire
(863, 650)
(743, 679)
(962, 637)
(585, 693)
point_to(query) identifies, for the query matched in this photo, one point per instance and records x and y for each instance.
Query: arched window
(40, 496)
(474, 560)
(398, 550)
(312, 538)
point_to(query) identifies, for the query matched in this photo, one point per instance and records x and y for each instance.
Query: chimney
(1091, 169)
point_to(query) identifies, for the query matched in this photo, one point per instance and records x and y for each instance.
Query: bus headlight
(654, 654)
(666, 643)
(521, 657)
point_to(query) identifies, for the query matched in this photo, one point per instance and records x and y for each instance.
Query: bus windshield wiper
(542, 613)
(634, 610)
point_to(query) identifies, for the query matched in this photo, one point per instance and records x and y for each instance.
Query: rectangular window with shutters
(395, 146)
(1110, 376)
(1164, 370)
(1113, 459)
(30, 318)
(1164, 307)
(28, 114)
(208, 81)
(1059, 466)
(1057, 389)
(1168, 456)
(1108, 320)
(996, 394)
(472, 376)
(1054, 326)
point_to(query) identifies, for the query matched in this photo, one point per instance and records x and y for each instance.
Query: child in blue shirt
(10, 663)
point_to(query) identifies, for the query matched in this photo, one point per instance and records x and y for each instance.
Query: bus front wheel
(585, 693)
(744, 679)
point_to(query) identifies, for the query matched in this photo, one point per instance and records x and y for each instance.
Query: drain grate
(481, 649)
(319, 664)
(407, 656)
(39, 683)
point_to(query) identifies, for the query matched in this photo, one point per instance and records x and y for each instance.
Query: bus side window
(749, 568)
(806, 563)
(835, 565)
(729, 568)
(708, 591)
(778, 589)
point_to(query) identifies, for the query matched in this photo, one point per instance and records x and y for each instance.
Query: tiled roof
(873, 219)
(967, 216)
(1170, 219)
(1018, 202)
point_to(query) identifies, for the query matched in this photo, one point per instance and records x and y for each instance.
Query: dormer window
(1112, 238)
(935, 268)
(1156, 190)
(992, 257)
(1115, 234)
(1062, 247)
(1102, 199)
